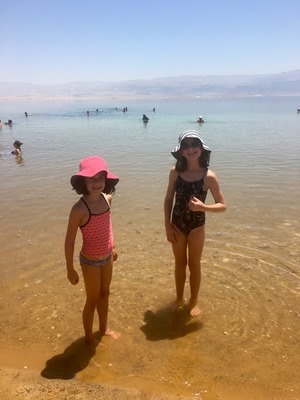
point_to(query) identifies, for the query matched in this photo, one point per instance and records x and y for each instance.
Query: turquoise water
(255, 143)
(255, 146)
(251, 258)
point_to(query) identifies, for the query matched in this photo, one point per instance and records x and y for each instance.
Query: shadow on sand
(75, 358)
(168, 324)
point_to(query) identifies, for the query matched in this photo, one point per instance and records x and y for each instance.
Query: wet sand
(244, 346)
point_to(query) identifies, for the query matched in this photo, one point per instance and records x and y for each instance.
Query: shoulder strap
(105, 199)
(86, 205)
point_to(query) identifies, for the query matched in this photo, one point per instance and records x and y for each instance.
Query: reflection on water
(247, 337)
(20, 161)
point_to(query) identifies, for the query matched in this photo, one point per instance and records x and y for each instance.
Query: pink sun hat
(90, 166)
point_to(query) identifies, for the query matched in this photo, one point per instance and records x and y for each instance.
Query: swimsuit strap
(106, 201)
(86, 205)
(203, 176)
(90, 213)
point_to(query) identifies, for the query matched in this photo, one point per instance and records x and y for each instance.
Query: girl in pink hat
(189, 182)
(92, 215)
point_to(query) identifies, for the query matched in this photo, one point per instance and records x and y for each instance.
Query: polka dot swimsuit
(97, 234)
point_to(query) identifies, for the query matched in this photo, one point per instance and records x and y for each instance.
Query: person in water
(17, 151)
(189, 182)
(92, 215)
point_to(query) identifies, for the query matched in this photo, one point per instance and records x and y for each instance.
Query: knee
(195, 267)
(180, 268)
(181, 263)
(104, 293)
(91, 302)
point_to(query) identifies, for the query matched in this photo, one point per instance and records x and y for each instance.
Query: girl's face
(191, 148)
(96, 183)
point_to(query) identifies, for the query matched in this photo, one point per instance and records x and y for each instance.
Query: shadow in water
(20, 161)
(75, 358)
(168, 324)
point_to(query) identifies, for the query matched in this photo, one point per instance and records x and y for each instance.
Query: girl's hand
(171, 232)
(114, 254)
(196, 204)
(73, 277)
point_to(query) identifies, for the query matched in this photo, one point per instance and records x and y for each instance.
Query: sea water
(255, 146)
(251, 256)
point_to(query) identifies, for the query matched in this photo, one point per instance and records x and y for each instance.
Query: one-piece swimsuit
(97, 237)
(182, 217)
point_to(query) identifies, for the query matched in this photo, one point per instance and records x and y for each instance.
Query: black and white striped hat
(188, 134)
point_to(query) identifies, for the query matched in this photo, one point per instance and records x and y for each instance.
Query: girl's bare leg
(180, 254)
(103, 295)
(92, 281)
(103, 300)
(195, 246)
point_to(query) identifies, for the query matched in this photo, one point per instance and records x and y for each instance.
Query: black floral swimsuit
(182, 217)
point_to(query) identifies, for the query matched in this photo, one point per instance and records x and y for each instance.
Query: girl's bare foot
(176, 305)
(113, 334)
(195, 311)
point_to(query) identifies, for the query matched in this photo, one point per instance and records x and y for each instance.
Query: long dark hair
(79, 184)
(181, 164)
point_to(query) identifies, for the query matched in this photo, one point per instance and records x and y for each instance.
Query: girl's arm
(108, 198)
(114, 251)
(212, 183)
(168, 205)
(74, 222)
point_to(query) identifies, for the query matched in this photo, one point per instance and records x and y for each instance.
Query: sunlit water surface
(250, 288)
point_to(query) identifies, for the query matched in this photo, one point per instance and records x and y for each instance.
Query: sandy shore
(245, 346)
(28, 385)
(239, 349)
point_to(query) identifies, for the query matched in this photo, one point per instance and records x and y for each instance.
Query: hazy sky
(58, 41)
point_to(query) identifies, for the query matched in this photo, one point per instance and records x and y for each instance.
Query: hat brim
(177, 154)
(113, 180)
(90, 172)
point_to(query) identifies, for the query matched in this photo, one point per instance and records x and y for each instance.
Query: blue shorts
(94, 263)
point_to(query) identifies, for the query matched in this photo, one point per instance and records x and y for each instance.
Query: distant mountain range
(281, 84)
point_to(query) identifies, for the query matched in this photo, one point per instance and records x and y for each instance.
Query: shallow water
(247, 339)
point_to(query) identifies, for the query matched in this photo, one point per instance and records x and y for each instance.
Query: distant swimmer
(26, 115)
(200, 120)
(17, 151)
(298, 110)
(9, 122)
(153, 109)
(145, 118)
